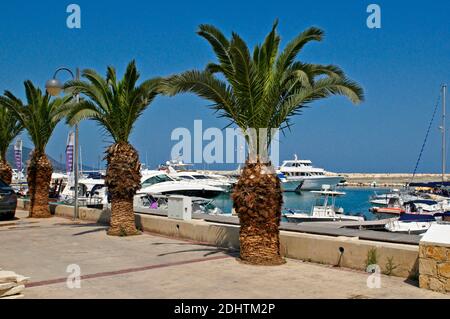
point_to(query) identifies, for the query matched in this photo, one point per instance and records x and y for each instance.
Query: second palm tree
(116, 105)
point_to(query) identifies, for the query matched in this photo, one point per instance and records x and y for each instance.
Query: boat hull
(195, 193)
(300, 218)
(408, 228)
(315, 183)
(291, 186)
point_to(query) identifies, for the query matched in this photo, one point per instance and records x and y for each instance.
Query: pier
(353, 229)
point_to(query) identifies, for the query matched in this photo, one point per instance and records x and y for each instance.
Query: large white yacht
(158, 182)
(199, 178)
(301, 175)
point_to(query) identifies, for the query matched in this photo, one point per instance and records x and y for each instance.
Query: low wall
(434, 258)
(393, 259)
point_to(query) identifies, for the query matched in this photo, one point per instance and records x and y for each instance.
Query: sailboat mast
(444, 88)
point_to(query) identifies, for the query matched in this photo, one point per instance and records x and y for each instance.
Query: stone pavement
(150, 266)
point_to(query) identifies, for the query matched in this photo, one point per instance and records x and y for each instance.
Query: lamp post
(54, 88)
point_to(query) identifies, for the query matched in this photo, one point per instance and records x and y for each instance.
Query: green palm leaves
(9, 129)
(114, 104)
(264, 89)
(39, 116)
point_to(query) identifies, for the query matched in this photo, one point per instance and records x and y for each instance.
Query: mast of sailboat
(444, 89)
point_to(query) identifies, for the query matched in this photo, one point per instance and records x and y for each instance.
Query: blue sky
(401, 67)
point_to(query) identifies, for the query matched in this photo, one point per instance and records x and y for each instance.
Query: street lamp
(54, 88)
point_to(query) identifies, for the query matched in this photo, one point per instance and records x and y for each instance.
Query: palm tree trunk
(257, 199)
(5, 171)
(39, 175)
(123, 179)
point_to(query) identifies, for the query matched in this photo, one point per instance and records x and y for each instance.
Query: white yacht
(301, 175)
(158, 182)
(325, 212)
(144, 203)
(199, 178)
(91, 192)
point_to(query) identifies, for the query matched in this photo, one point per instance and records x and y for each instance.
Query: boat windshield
(201, 177)
(156, 179)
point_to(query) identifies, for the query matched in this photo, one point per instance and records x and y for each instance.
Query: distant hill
(57, 166)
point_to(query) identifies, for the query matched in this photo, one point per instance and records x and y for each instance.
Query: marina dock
(362, 230)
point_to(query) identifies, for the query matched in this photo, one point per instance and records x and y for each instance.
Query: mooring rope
(426, 137)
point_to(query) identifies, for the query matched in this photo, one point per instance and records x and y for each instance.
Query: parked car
(8, 201)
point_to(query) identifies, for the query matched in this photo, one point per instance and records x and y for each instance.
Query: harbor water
(355, 202)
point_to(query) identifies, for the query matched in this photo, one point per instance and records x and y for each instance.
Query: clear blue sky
(401, 67)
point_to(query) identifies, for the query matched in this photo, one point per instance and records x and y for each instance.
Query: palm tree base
(122, 219)
(40, 213)
(39, 175)
(263, 262)
(121, 232)
(257, 198)
(123, 178)
(6, 172)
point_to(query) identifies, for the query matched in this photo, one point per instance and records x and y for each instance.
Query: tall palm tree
(260, 92)
(116, 105)
(10, 127)
(39, 116)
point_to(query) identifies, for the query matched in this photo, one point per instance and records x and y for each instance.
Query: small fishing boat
(325, 212)
(393, 207)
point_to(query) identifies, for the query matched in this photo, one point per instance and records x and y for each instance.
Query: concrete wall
(394, 259)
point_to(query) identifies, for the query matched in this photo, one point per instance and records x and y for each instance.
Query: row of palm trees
(259, 90)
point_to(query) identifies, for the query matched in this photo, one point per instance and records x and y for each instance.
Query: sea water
(356, 201)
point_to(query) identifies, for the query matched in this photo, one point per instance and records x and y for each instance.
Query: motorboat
(179, 170)
(394, 207)
(426, 206)
(159, 182)
(149, 203)
(410, 223)
(396, 194)
(196, 177)
(383, 199)
(327, 211)
(305, 175)
(91, 193)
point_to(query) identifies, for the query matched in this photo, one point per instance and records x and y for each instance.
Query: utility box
(180, 207)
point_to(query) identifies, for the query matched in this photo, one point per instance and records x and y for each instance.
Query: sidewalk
(149, 266)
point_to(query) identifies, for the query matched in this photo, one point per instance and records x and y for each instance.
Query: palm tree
(10, 127)
(116, 106)
(39, 117)
(259, 93)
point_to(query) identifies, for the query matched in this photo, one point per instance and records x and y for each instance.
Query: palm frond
(114, 104)
(265, 89)
(39, 116)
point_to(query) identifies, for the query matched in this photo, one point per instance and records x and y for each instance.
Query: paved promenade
(150, 266)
